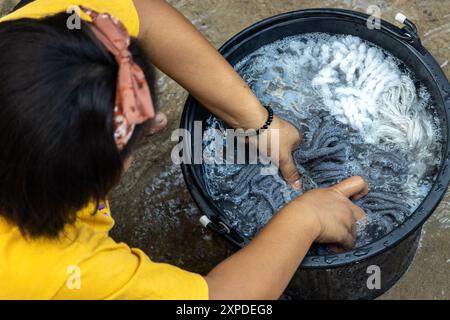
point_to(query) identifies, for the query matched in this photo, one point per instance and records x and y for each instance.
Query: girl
(73, 104)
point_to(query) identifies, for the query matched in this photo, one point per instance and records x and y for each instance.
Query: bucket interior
(331, 21)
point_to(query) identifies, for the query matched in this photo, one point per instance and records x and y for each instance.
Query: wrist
(253, 116)
(305, 219)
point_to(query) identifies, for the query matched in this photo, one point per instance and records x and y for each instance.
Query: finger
(358, 212)
(336, 248)
(354, 230)
(346, 218)
(347, 241)
(290, 173)
(354, 186)
(361, 194)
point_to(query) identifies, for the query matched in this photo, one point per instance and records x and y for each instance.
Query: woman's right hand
(263, 269)
(331, 213)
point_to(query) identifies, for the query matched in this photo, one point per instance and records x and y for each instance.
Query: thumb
(358, 212)
(352, 187)
(290, 173)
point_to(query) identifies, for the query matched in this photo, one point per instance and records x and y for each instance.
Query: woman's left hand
(289, 139)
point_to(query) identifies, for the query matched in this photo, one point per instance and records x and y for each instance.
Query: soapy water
(361, 112)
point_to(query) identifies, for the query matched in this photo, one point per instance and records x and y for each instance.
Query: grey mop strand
(250, 199)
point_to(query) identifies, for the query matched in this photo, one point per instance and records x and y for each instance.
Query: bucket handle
(409, 33)
(220, 228)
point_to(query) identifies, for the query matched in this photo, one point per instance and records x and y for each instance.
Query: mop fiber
(360, 112)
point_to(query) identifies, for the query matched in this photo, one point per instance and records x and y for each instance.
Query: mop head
(360, 114)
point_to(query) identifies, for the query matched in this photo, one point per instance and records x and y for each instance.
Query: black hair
(57, 91)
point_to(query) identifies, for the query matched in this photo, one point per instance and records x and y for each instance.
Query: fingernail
(297, 185)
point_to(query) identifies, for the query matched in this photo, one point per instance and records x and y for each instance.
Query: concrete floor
(152, 206)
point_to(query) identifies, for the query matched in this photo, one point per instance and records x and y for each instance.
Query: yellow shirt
(124, 10)
(85, 263)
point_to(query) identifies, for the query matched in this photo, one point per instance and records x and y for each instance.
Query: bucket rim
(424, 210)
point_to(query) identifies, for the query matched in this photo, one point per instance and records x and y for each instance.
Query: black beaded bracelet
(263, 128)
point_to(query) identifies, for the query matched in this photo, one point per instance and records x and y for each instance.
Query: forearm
(180, 51)
(263, 269)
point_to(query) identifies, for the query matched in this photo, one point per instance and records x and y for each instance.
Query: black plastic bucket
(339, 276)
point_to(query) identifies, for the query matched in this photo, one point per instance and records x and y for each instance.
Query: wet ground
(152, 206)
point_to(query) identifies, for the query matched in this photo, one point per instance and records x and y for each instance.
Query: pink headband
(133, 103)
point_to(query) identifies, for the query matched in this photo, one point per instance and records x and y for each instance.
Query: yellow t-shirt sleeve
(118, 272)
(124, 10)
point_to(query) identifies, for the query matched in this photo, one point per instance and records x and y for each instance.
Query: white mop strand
(365, 89)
